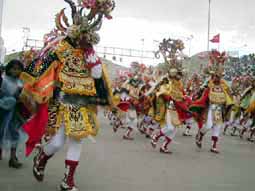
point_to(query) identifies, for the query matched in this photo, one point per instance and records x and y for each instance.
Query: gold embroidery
(176, 90)
(217, 115)
(76, 85)
(74, 75)
(79, 122)
(217, 95)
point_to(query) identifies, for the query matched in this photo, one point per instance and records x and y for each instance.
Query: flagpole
(2, 48)
(209, 25)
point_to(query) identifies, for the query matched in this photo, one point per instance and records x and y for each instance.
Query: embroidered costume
(171, 109)
(67, 82)
(210, 106)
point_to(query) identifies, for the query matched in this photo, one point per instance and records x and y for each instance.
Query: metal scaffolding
(101, 50)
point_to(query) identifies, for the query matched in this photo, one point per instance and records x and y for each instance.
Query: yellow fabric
(163, 90)
(251, 107)
(74, 75)
(79, 123)
(133, 91)
(26, 78)
(160, 110)
(151, 112)
(173, 89)
(115, 100)
(108, 84)
(77, 85)
(220, 94)
(174, 118)
(176, 90)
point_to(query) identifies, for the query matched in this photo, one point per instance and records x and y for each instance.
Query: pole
(2, 48)
(142, 50)
(1, 15)
(209, 25)
(190, 39)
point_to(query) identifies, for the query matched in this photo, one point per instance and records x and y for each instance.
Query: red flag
(216, 39)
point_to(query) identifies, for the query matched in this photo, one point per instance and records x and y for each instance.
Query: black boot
(14, 162)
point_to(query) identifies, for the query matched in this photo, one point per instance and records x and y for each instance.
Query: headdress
(171, 50)
(216, 63)
(87, 18)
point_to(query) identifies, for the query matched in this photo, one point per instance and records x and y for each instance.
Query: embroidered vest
(217, 95)
(74, 75)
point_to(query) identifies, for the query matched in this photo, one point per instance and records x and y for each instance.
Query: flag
(215, 39)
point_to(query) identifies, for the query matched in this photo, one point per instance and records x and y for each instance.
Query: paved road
(113, 164)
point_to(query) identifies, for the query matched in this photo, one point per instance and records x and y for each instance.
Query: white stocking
(56, 143)
(216, 130)
(74, 150)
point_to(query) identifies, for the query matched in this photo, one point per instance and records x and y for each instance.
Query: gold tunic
(175, 90)
(73, 78)
(74, 75)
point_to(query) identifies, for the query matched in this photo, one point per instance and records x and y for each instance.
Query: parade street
(113, 164)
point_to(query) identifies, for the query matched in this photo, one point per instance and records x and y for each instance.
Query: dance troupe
(157, 103)
(53, 95)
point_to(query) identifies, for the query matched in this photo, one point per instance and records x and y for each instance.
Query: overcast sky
(144, 19)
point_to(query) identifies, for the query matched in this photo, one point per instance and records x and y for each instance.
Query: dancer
(215, 97)
(171, 104)
(68, 81)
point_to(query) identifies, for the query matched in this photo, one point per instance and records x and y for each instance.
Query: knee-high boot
(40, 161)
(186, 133)
(164, 147)
(155, 138)
(214, 144)
(127, 135)
(68, 180)
(199, 139)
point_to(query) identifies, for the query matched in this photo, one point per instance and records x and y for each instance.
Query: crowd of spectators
(236, 67)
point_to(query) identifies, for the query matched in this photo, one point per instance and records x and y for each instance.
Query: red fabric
(166, 143)
(71, 163)
(160, 134)
(142, 105)
(202, 103)
(214, 140)
(216, 39)
(167, 98)
(124, 106)
(35, 128)
(182, 108)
